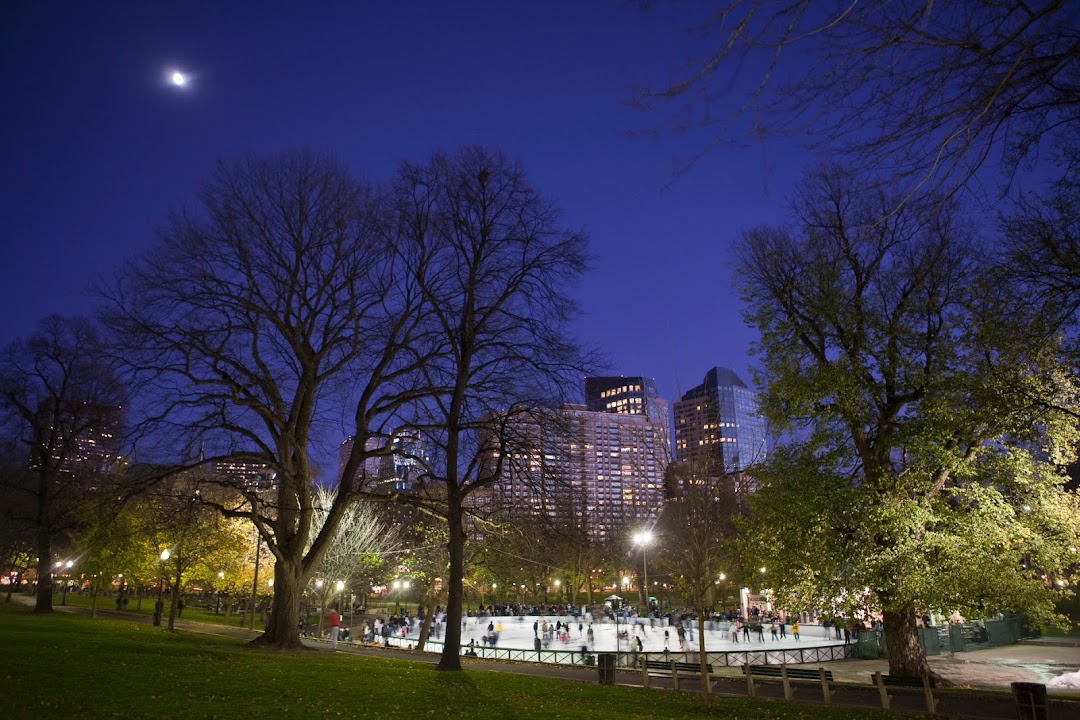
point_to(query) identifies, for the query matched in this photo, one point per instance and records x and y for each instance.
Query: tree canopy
(928, 418)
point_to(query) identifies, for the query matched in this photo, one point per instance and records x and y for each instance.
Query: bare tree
(498, 264)
(697, 530)
(927, 90)
(61, 399)
(255, 314)
(1041, 257)
(361, 536)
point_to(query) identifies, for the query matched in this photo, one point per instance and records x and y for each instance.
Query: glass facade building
(718, 420)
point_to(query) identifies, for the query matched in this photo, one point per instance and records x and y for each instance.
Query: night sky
(97, 145)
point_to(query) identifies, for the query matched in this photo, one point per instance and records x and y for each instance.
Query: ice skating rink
(517, 633)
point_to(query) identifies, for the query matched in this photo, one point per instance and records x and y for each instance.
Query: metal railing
(725, 658)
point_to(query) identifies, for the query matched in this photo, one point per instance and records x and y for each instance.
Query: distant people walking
(774, 632)
(735, 631)
(783, 633)
(795, 629)
(334, 625)
(746, 631)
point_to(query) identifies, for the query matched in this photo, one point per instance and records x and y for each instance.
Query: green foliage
(927, 411)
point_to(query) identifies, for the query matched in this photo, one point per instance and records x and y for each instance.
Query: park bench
(927, 683)
(788, 675)
(671, 668)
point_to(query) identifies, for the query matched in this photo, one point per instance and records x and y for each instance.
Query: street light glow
(340, 585)
(643, 537)
(165, 555)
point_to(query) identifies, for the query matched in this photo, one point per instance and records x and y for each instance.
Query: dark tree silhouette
(61, 399)
(274, 299)
(497, 264)
(926, 91)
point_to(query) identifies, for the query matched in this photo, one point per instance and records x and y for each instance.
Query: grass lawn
(69, 666)
(108, 602)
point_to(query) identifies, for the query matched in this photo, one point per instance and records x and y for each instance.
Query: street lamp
(67, 566)
(158, 607)
(644, 538)
(558, 592)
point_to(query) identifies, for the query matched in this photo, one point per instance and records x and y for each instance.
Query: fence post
(880, 682)
(826, 691)
(749, 680)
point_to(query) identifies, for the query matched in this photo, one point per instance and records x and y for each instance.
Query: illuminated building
(719, 421)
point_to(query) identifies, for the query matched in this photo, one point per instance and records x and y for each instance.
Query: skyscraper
(400, 469)
(600, 465)
(719, 421)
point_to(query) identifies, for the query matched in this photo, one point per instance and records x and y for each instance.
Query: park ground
(67, 665)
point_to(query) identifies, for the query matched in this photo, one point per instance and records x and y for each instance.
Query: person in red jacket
(334, 624)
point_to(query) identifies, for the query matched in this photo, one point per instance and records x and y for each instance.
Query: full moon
(178, 78)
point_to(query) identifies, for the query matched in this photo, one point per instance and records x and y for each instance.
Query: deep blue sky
(97, 147)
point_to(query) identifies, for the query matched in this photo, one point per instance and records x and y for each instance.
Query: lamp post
(255, 582)
(158, 607)
(643, 538)
(558, 592)
(67, 566)
(221, 578)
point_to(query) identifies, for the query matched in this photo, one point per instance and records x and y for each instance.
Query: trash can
(606, 665)
(1030, 700)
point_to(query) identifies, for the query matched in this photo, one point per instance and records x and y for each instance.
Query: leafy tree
(922, 470)
(931, 90)
(61, 399)
(497, 264)
(253, 311)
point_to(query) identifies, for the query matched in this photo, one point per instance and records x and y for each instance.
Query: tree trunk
(228, 607)
(11, 588)
(44, 590)
(93, 597)
(451, 654)
(701, 654)
(906, 656)
(174, 596)
(282, 628)
(429, 617)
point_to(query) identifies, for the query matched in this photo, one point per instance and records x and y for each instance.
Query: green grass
(108, 602)
(66, 665)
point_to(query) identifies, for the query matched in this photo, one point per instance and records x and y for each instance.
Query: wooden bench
(927, 683)
(672, 668)
(787, 675)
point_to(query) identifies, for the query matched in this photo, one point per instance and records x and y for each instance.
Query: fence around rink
(720, 658)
